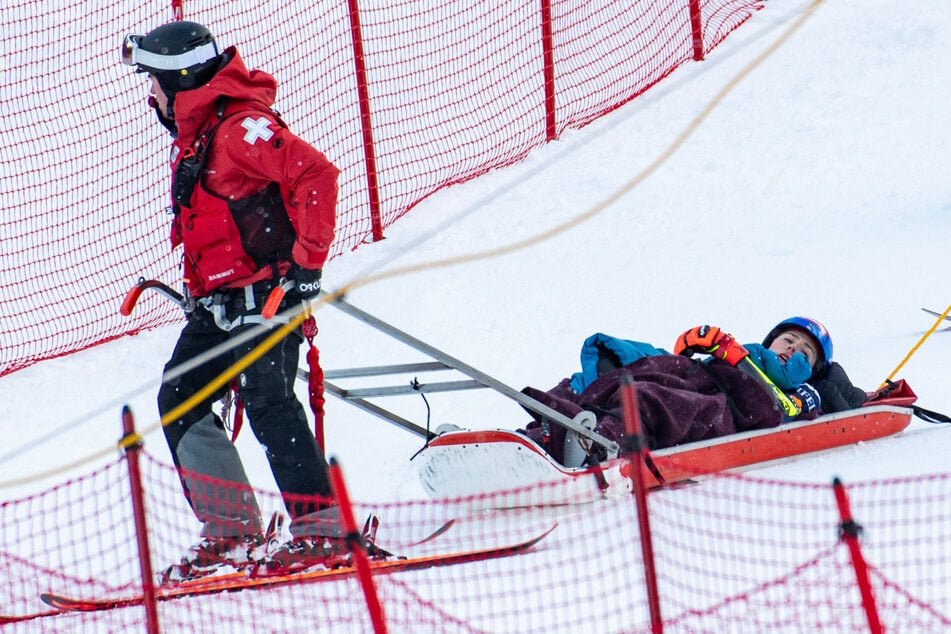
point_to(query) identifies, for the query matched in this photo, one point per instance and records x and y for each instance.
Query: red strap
(315, 388)
(238, 415)
(897, 393)
(232, 398)
(315, 383)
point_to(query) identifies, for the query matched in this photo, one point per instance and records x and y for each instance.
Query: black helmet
(180, 55)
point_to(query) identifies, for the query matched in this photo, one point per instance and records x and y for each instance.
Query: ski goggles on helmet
(134, 55)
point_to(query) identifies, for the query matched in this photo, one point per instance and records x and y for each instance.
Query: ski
(6, 619)
(215, 586)
(274, 528)
(935, 313)
(436, 533)
(439, 531)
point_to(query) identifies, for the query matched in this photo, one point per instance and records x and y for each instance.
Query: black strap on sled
(922, 413)
(930, 416)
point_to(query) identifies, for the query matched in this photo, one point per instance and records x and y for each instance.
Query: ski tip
(67, 604)
(70, 604)
(436, 533)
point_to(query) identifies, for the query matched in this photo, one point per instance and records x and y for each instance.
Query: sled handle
(274, 300)
(130, 300)
(132, 297)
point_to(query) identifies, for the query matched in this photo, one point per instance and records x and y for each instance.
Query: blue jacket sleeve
(627, 352)
(786, 376)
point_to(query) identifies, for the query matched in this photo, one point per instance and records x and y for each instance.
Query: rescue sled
(459, 463)
(467, 462)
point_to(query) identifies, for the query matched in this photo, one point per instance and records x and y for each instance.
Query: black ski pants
(199, 442)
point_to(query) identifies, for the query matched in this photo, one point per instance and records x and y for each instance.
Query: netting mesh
(448, 91)
(732, 553)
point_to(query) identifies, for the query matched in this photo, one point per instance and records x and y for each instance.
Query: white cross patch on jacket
(257, 129)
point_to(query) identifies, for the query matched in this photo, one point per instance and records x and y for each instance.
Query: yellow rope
(618, 194)
(59, 469)
(225, 377)
(916, 346)
(282, 332)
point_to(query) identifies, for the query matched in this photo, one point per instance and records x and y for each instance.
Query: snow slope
(817, 185)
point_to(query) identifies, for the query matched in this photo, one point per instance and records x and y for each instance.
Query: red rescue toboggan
(459, 462)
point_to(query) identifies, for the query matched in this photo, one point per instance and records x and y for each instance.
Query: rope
(618, 194)
(301, 314)
(915, 347)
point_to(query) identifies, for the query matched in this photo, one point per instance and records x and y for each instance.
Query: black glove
(307, 281)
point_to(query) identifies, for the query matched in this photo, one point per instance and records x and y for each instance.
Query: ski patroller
(230, 583)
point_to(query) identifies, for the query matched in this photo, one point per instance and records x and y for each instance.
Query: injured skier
(790, 376)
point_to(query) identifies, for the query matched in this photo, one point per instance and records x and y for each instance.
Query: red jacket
(251, 157)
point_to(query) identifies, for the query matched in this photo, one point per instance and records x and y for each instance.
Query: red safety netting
(732, 554)
(443, 93)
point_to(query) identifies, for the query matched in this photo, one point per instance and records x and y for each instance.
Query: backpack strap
(190, 166)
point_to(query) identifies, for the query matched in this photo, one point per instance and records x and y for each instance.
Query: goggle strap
(135, 55)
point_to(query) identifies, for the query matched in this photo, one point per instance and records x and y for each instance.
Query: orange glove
(710, 340)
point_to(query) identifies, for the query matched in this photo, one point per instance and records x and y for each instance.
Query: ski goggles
(134, 55)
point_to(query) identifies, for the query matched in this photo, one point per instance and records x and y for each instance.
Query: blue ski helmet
(811, 327)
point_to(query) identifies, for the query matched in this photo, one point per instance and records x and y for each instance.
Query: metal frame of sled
(440, 361)
(582, 424)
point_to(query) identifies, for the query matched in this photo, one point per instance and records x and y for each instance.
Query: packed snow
(817, 185)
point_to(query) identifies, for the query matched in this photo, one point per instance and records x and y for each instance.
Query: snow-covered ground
(818, 185)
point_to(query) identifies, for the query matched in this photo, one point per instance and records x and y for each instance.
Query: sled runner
(464, 462)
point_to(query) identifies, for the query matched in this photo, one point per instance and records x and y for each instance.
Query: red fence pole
(635, 449)
(133, 444)
(357, 547)
(363, 95)
(849, 532)
(696, 27)
(548, 56)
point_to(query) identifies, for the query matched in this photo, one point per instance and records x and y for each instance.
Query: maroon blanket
(680, 400)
